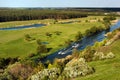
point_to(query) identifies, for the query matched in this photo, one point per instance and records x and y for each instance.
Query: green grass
(13, 43)
(108, 69)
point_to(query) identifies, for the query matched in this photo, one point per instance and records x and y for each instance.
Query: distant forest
(11, 14)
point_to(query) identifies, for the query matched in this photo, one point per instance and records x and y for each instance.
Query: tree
(87, 32)
(78, 37)
(68, 42)
(39, 42)
(41, 49)
(89, 53)
(48, 34)
(27, 37)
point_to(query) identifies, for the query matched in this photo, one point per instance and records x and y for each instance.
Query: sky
(59, 3)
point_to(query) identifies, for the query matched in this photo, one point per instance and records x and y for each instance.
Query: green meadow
(13, 43)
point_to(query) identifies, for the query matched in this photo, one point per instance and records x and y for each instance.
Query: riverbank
(106, 69)
(114, 21)
(86, 41)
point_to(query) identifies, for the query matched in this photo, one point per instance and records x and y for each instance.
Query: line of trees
(20, 15)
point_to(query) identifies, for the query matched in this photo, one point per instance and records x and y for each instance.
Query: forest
(31, 14)
(12, 14)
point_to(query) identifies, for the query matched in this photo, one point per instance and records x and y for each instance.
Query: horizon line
(59, 7)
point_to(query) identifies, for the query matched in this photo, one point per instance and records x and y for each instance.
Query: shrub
(48, 34)
(101, 55)
(39, 42)
(31, 55)
(93, 30)
(110, 55)
(109, 18)
(58, 33)
(41, 49)
(68, 42)
(6, 76)
(27, 37)
(78, 37)
(88, 53)
(39, 67)
(4, 62)
(20, 71)
(49, 74)
(75, 68)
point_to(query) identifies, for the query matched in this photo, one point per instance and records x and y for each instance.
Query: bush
(49, 74)
(6, 76)
(58, 33)
(4, 62)
(27, 37)
(48, 34)
(101, 55)
(75, 68)
(38, 41)
(20, 71)
(39, 67)
(68, 42)
(93, 30)
(41, 49)
(88, 54)
(78, 37)
(109, 18)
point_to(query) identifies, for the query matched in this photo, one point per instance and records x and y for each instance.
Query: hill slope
(108, 69)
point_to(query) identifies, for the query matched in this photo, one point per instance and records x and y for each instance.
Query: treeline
(26, 14)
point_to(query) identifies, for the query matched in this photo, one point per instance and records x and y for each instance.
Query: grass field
(106, 69)
(13, 43)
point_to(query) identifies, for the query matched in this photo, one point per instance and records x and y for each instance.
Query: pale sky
(59, 3)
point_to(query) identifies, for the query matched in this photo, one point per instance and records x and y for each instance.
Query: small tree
(89, 53)
(79, 36)
(68, 42)
(27, 37)
(48, 34)
(39, 42)
(87, 32)
(41, 49)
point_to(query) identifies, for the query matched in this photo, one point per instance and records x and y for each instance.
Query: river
(23, 27)
(86, 41)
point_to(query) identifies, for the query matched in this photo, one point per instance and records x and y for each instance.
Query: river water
(86, 41)
(23, 27)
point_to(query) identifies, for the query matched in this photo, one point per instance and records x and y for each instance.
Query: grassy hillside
(108, 69)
